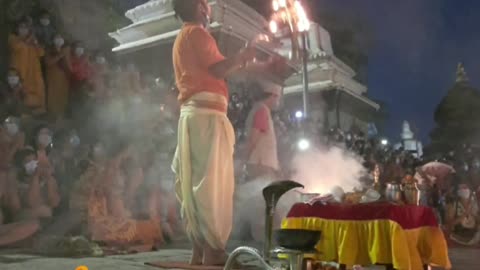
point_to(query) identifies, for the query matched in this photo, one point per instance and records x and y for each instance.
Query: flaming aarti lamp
(290, 15)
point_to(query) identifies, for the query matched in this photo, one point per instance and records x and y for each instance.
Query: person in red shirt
(81, 67)
(81, 79)
(262, 159)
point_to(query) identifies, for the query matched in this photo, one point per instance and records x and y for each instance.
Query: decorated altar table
(405, 236)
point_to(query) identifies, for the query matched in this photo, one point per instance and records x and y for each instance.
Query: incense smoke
(319, 171)
(322, 169)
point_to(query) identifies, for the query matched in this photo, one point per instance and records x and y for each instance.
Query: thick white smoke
(321, 169)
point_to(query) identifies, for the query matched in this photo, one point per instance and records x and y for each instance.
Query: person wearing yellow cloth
(25, 54)
(203, 161)
(58, 72)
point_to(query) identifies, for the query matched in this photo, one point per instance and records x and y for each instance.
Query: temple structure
(409, 142)
(336, 99)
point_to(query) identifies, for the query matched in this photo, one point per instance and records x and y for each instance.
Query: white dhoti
(203, 165)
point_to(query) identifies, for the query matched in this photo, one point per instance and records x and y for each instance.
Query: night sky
(414, 53)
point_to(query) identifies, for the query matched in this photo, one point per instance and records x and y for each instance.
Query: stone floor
(462, 259)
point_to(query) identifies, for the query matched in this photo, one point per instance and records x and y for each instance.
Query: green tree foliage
(456, 116)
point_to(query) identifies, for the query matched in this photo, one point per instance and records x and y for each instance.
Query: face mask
(79, 51)
(206, 22)
(476, 164)
(137, 100)
(23, 32)
(276, 103)
(45, 21)
(75, 141)
(31, 167)
(12, 129)
(464, 193)
(59, 42)
(131, 68)
(13, 80)
(98, 152)
(206, 18)
(45, 139)
(100, 60)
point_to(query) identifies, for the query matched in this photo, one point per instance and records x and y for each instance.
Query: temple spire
(461, 74)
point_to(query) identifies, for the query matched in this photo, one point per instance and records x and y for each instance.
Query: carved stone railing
(149, 10)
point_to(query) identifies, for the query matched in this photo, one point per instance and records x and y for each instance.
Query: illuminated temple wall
(153, 29)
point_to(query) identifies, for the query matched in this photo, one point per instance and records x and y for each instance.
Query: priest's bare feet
(197, 255)
(214, 257)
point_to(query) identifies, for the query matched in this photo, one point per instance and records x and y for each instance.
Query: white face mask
(13, 80)
(137, 100)
(464, 193)
(98, 152)
(79, 51)
(59, 42)
(12, 129)
(131, 68)
(31, 167)
(206, 17)
(22, 31)
(75, 141)
(476, 164)
(45, 139)
(100, 60)
(45, 21)
(206, 22)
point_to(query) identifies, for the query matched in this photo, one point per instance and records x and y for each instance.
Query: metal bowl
(303, 240)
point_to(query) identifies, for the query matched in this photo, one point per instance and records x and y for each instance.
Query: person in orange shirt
(203, 161)
(25, 54)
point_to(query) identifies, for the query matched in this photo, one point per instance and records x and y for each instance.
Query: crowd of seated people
(85, 145)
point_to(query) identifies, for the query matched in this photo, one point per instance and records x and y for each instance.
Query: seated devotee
(81, 67)
(45, 30)
(80, 82)
(12, 232)
(12, 96)
(109, 221)
(133, 79)
(162, 203)
(463, 216)
(100, 73)
(37, 188)
(25, 55)
(12, 140)
(84, 186)
(58, 70)
(42, 143)
(65, 159)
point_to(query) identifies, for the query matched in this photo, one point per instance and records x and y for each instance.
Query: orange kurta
(25, 58)
(58, 82)
(191, 62)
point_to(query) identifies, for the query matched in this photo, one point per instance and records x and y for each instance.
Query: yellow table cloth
(405, 236)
